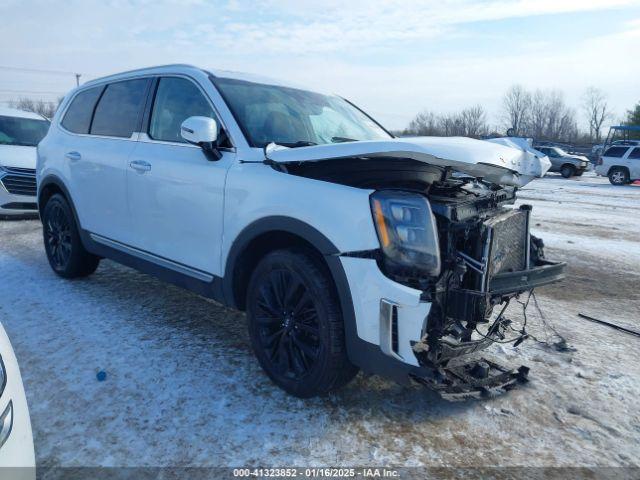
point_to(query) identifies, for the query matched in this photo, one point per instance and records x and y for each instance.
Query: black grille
(507, 248)
(20, 181)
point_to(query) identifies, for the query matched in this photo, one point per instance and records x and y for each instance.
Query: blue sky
(394, 58)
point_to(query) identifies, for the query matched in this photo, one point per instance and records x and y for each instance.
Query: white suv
(20, 132)
(348, 248)
(621, 163)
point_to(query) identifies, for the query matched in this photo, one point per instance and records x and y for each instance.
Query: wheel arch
(264, 236)
(49, 186)
(619, 167)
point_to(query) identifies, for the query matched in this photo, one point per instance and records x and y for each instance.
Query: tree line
(41, 107)
(541, 114)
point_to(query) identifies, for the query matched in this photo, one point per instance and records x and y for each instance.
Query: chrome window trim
(144, 138)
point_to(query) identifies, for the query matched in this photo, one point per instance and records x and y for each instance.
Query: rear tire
(65, 252)
(296, 324)
(568, 171)
(618, 176)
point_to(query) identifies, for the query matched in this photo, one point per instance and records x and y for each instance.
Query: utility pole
(78, 79)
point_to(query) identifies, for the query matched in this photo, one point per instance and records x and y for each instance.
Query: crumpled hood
(577, 157)
(18, 156)
(496, 163)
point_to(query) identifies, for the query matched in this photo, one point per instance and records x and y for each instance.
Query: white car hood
(18, 156)
(496, 163)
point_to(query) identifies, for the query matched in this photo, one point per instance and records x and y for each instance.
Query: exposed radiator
(507, 242)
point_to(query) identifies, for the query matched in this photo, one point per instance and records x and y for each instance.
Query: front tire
(296, 325)
(65, 252)
(568, 171)
(618, 176)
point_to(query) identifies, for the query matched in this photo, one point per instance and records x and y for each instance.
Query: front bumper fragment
(512, 282)
(478, 379)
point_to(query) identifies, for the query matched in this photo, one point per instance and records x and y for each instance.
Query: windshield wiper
(342, 139)
(300, 143)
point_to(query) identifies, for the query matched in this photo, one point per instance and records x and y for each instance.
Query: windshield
(560, 152)
(22, 131)
(294, 118)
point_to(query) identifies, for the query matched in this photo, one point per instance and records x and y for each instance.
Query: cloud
(329, 26)
(393, 57)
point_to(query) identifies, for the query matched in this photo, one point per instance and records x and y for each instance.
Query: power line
(39, 70)
(35, 92)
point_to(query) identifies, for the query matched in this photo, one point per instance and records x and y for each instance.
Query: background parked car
(596, 150)
(20, 133)
(621, 163)
(567, 164)
(17, 459)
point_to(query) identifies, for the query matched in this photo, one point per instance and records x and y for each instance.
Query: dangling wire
(523, 334)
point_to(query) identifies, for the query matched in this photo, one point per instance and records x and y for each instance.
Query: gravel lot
(183, 388)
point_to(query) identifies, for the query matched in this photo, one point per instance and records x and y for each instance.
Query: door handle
(140, 166)
(73, 156)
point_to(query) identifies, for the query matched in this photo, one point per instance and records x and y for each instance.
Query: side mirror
(202, 131)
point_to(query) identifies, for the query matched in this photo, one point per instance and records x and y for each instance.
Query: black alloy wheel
(296, 324)
(65, 252)
(57, 233)
(288, 324)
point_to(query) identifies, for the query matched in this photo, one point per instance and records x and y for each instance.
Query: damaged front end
(488, 258)
(443, 211)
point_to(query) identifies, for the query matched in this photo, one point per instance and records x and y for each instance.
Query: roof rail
(107, 77)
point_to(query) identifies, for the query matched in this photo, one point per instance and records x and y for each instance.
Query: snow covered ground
(183, 388)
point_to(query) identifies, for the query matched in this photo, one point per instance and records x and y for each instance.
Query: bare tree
(561, 123)
(596, 110)
(474, 121)
(470, 122)
(516, 106)
(424, 124)
(538, 118)
(46, 109)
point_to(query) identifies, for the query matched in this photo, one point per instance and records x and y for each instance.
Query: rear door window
(635, 153)
(77, 119)
(119, 112)
(176, 100)
(615, 152)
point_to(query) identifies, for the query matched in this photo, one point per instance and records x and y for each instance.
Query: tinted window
(176, 100)
(78, 116)
(615, 152)
(635, 153)
(119, 111)
(22, 131)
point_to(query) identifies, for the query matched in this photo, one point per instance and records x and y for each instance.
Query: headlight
(407, 231)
